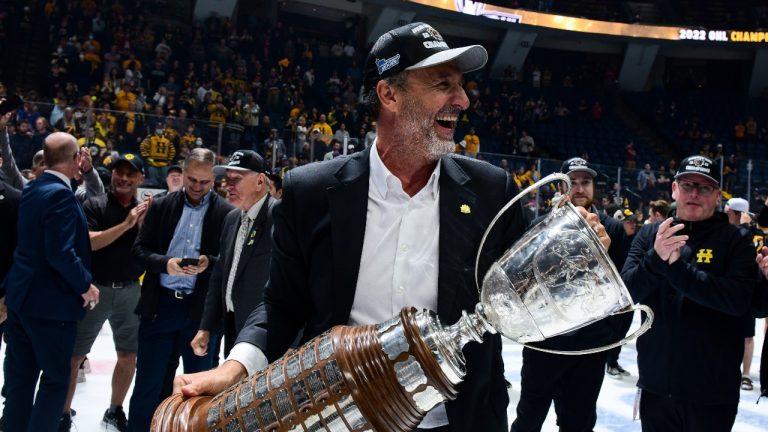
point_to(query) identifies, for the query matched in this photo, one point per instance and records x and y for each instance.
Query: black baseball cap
(176, 168)
(130, 159)
(414, 46)
(700, 165)
(242, 160)
(577, 164)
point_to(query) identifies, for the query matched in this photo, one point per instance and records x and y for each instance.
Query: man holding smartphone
(178, 245)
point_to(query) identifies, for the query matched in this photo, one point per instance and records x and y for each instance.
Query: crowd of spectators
(123, 82)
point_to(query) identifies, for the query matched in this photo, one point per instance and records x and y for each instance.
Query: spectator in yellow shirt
(473, 143)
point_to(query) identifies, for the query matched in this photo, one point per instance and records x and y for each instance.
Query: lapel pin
(250, 242)
(465, 209)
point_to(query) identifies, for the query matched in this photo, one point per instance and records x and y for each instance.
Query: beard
(418, 130)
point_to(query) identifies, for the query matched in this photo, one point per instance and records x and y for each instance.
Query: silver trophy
(386, 377)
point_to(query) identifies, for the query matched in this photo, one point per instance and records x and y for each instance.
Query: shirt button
(400, 289)
(404, 248)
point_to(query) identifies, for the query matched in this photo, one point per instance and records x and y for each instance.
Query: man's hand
(91, 297)
(202, 264)
(175, 269)
(200, 342)
(762, 263)
(668, 244)
(745, 218)
(148, 201)
(136, 214)
(3, 310)
(86, 161)
(594, 222)
(210, 382)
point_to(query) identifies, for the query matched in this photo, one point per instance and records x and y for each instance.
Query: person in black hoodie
(572, 382)
(760, 309)
(697, 272)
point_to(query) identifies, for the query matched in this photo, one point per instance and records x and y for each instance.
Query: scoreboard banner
(559, 22)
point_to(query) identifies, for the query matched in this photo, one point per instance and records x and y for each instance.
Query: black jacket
(252, 269)
(152, 244)
(319, 228)
(9, 212)
(694, 349)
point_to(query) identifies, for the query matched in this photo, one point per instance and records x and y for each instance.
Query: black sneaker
(613, 371)
(65, 423)
(622, 371)
(114, 420)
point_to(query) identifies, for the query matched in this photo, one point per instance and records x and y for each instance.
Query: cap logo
(428, 32)
(129, 156)
(698, 164)
(235, 157)
(384, 65)
(578, 162)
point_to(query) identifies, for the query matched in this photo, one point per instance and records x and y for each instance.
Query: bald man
(47, 290)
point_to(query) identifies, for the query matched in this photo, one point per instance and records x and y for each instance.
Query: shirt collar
(203, 201)
(60, 176)
(111, 197)
(380, 175)
(256, 208)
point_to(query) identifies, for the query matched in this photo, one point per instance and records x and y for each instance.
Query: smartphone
(10, 103)
(189, 262)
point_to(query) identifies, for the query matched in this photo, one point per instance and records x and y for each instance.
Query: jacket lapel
(457, 233)
(348, 206)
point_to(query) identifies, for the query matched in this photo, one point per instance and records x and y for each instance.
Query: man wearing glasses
(697, 272)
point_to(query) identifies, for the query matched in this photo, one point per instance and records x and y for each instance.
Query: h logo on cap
(236, 156)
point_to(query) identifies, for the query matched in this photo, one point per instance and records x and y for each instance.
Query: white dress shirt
(399, 264)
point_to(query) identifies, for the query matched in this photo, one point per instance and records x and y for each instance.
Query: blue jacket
(51, 265)
(694, 349)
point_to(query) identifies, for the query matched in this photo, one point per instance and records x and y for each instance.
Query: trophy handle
(548, 179)
(637, 333)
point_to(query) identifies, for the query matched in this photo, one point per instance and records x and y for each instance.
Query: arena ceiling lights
(559, 22)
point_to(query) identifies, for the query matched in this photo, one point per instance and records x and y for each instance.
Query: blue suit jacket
(51, 267)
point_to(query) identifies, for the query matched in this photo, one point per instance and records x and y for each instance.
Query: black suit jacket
(9, 212)
(152, 244)
(252, 269)
(317, 242)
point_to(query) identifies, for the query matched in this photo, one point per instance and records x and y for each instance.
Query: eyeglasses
(703, 189)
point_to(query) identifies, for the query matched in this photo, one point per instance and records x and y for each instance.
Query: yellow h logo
(704, 256)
